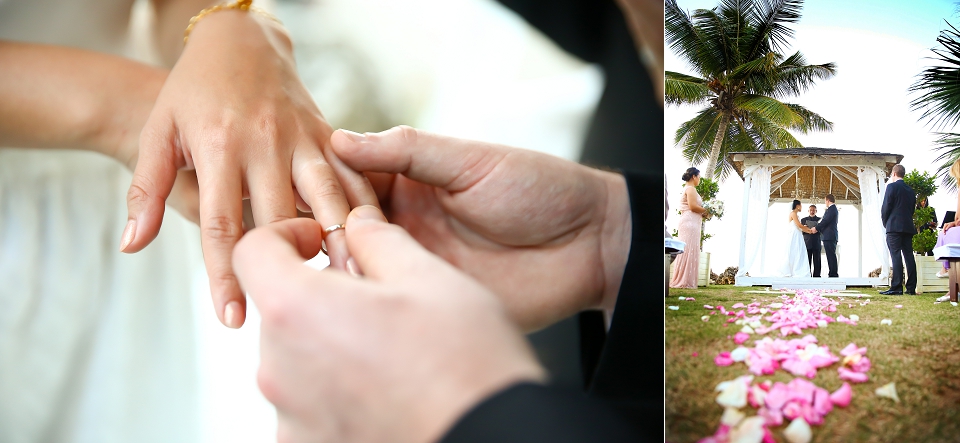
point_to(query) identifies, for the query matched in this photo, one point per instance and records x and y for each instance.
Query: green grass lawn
(920, 351)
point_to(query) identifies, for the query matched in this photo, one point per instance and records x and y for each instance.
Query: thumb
(445, 162)
(387, 253)
(153, 179)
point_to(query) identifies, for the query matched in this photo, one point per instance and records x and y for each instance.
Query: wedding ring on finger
(326, 232)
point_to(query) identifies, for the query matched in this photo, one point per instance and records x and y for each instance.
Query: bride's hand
(234, 110)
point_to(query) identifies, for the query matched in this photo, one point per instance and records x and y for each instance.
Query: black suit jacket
(899, 202)
(625, 396)
(811, 240)
(828, 224)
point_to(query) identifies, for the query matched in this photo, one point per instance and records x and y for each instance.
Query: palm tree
(939, 87)
(737, 50)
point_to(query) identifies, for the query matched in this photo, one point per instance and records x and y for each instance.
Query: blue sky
(916, 20)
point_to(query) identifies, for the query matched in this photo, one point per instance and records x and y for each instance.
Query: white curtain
(754, 224)
(872, 189)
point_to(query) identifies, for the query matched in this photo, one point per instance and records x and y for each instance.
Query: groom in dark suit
(897, 214)
(827, 228)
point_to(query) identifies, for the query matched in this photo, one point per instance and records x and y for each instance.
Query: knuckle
(407, 135)
(221, 229)
(269, 386)
(137, 195)
(328, 187)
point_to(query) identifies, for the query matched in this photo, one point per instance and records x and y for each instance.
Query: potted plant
(708, 190)
(923, 184)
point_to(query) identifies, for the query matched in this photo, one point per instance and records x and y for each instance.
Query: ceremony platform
(839, 283)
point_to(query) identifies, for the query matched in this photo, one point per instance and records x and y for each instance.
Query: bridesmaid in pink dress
(691, 207)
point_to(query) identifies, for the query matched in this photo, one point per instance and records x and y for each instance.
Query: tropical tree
(736, 50)
(939, 99)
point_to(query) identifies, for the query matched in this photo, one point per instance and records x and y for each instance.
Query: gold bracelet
(241, 5)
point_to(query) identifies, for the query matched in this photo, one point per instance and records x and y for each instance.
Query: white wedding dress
(792, 256)
(95, 345)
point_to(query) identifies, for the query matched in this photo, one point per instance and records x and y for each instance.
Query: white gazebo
(854, 178)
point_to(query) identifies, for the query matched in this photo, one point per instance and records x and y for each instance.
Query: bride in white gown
(791, 257)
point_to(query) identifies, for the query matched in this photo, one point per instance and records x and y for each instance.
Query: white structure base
(840, 284)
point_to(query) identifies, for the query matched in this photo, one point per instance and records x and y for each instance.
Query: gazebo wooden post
(860, 233)
(743, 221)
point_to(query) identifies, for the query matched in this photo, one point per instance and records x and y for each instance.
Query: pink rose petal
(852, 376)
(707, 307)
(898, 306)
(862, 365)
(792, 409)
(723, 359)
(737, 306)
(853, 349)
(841, 397)
(741, 337)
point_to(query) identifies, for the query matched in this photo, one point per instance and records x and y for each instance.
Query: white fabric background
(873, 237)
(755, 211)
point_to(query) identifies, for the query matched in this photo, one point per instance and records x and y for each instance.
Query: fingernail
(367, 212)
(231, 315)
(352, 268)
(353, 136)
(128, 233)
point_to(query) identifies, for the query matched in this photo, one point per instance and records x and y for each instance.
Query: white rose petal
(888, 390)
(705, 318)
(749, 431)
(673, 308)
(798, 431)
(821, 323)
(740, 354)
(732, 417)
(747, 329)
(764, 310)
(886, 321)
(854, 317)
(775, 305)
(755, 324)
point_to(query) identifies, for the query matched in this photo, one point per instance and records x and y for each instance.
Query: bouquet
(714, 209)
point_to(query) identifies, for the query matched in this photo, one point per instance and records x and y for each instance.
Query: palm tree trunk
(715, 150)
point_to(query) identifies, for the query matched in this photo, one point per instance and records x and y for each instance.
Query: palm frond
(794, 76)
(682, 89)
(687, 41)
(940, 85)
(773, 31)
(695, 136)
(949, 146)
(811, 121)
(769, 135)
(770, 108)
(716, 38)
(763, 67)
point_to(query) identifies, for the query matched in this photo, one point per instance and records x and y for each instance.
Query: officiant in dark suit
(899, 200)
(827, 228)
(812, 241)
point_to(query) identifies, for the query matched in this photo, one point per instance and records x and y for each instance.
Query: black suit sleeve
(828, 220)
(532, 413)
(628, 389)
(887, 208)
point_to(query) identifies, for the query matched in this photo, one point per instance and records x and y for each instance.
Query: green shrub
(924, 241)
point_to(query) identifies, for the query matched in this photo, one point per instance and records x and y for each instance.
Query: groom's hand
(549, 236)
(397, 355)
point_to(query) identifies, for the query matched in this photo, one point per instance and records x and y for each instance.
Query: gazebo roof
(812, 173)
